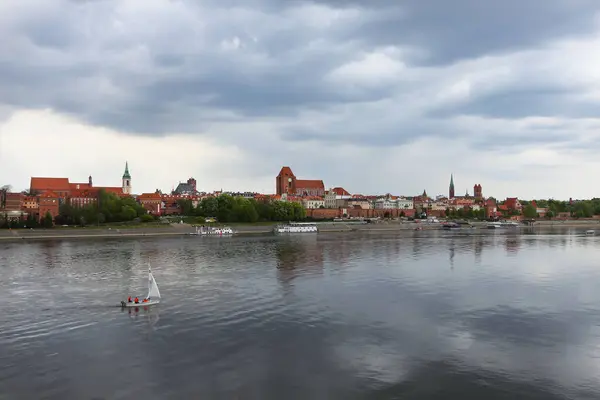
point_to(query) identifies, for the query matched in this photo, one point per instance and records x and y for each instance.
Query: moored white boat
(151, 299)
(494, 225)
(590, 232)
(297, 227)
(212, 231)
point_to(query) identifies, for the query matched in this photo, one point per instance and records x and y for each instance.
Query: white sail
(153, 293)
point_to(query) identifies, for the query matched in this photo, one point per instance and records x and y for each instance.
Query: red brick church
(287, 183)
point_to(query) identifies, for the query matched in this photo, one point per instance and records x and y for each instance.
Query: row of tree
(576, 209)
(108, 208)
(227, 208)
(465, 213)
(29, 221)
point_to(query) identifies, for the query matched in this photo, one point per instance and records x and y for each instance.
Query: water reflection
(323, 316)
(149, 314)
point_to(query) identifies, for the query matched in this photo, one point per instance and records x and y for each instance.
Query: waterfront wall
(331, 213)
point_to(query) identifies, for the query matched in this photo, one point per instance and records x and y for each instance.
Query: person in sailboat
(129, 299)
(136, 301)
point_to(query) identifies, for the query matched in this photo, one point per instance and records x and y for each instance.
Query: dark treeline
(108, 208)
(579, 208)
(468, 213)
(227, 208)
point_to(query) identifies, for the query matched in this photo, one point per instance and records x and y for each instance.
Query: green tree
(529, 211)
(186, 206)
(47, 221)
(146, 218)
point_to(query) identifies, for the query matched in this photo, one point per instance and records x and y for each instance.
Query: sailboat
(153, 294)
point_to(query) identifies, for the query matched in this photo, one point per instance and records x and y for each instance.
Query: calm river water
(419, 315)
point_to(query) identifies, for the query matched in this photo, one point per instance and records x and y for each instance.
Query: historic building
(80, 192)
(186, 189)
(287, 183)
(477, 192)
(47, 194)
(451, 188)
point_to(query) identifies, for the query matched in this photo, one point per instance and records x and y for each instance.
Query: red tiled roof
(48, 194)
(79, 186)
(14, 196)
(338, 190)
(285, 171)
(115, 190)
(310, 184)
(84, 194)
(54, 184)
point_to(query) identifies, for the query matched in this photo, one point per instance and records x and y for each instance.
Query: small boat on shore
(151, 299)
(450, 225)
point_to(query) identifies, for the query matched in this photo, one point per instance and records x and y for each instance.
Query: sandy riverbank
(184, 229)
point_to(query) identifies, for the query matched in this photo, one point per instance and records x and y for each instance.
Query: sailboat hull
(140, 304)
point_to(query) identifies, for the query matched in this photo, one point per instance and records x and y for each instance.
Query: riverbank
(259, 229)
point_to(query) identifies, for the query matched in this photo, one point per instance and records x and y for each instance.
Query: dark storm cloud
(454, 30)
(181, 66)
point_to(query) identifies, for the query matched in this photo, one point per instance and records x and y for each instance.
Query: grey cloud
(520, 103)
(88, 60)
(454, 30)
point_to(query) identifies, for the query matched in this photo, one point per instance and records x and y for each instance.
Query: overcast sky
(375, 96)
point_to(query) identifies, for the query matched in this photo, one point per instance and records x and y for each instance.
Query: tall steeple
(126, 180)
(451, 191)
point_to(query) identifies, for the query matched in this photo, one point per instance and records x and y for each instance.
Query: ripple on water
(332, 316)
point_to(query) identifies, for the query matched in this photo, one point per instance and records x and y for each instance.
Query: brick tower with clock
(285, 182)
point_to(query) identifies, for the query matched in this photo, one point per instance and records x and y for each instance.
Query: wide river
(416, 315)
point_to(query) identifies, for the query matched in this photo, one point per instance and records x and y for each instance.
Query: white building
(390, 203)
(313, 202)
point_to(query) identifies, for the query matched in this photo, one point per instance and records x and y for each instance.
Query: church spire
(451, 191)
(126, 180)
(126, 174)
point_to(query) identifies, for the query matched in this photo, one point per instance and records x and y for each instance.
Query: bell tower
(126, 180)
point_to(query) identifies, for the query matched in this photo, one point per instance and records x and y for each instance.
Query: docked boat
(450, 225)
(296, 227)
(213, 231)
(503, 225)
(590, 232)
(151, 299)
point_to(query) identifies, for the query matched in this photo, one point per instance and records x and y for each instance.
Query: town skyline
(452, 190)
(371, 96)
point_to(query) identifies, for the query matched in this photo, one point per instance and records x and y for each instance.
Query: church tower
(451, 191)
(126, 180)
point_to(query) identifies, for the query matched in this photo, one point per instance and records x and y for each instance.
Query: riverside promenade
(250, 229)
